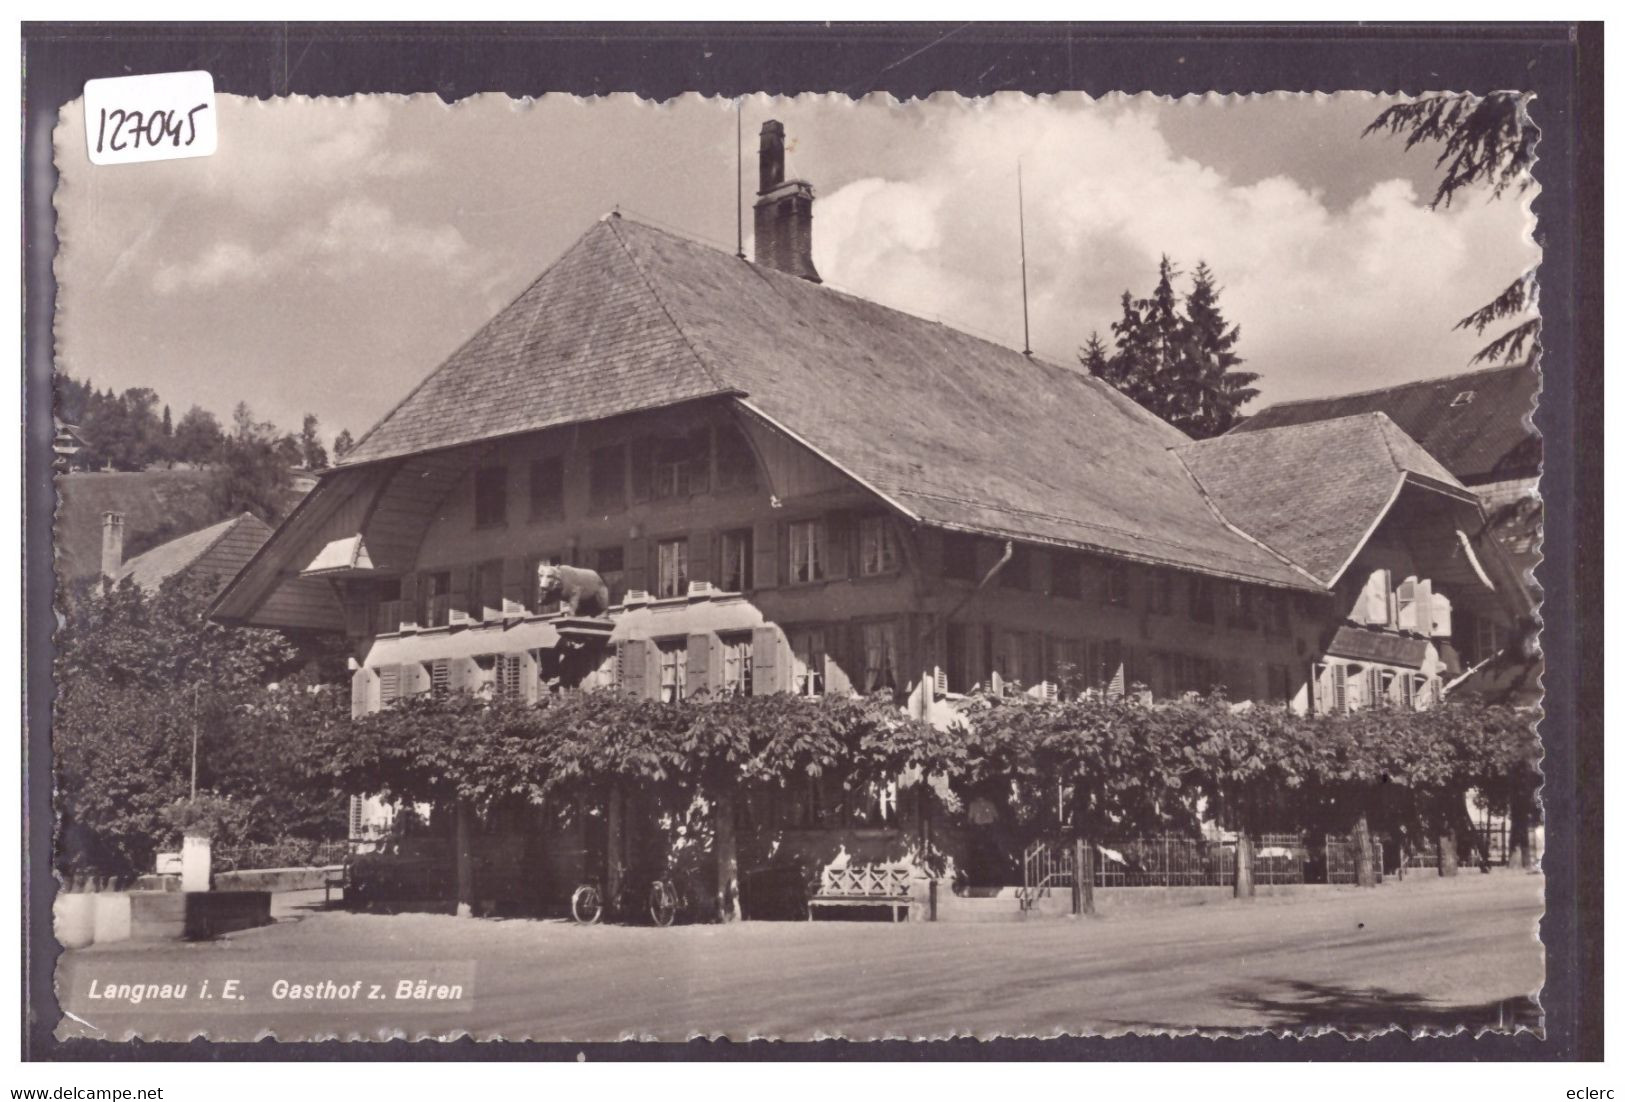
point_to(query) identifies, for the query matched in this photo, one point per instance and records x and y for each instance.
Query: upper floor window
(434, 599)
(1162, 591)
(1278, 613)
(1018, 572)
(1242, 612)
(959, 556)
(1114, 584)
(1201, 593)
(487, 590)
(673, 669)
(877, 544)
(1375, 602)
(672, 563)
(387, 611)
(737, 662)
(807, 661)
(807, 555)
(606, 477)
(880, 657)
(736, 561)
(490, 496)
(736, 462)
(681, 465)
(1066, 574)
(547, 488)
(610, 562)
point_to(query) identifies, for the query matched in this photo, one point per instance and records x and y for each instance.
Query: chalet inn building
(790, 489)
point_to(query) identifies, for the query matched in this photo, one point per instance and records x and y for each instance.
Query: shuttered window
(672, 556)
(737, 554)
(737, 664)
(1407, 605)
(673, 670)
(490, 497)
(510, 670)
(358, 806)
(606, 478)
(434, 595)
(440, 678)
(880, 657)
(807, 553)
(877, 544)
(547, 488)
(807, 662)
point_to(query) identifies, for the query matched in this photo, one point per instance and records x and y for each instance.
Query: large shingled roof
(952, 429)
(1476, 424)
(1261, 482)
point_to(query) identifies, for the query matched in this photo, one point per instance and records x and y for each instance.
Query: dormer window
(1465, 398)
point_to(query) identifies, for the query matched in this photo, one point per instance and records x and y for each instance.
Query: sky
(335, 251)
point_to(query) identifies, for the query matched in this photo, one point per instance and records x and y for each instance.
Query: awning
(1378, 646)
(342, 556)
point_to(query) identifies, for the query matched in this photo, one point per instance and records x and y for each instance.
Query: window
(1202, 599)
(490, 497)
(440, 678)
(1464, 398)
(880, 657)
(1279, 613)
(1066, 575)
(487, 590)
(434, 599)
(672, 561)
(682, 465)
(959, 556)
(736, 664)
(547, 488)
(807, 551)
(1280, 683)
(1374, 599)
(960, 677)
(1406, 603)
(1162, 591)
(1018, 572)
(878, 546)
(737, 547)
(1242, 611)
(389, 685)
(606, 477)
(673, 669)
(1114, 588)
(610, 562)
(807, 662)
(387, 613)
(736, 462)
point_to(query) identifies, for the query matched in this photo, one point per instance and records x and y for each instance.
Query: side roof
(224, 548)
(1477, 424)
(954, 431)
(1258, 481)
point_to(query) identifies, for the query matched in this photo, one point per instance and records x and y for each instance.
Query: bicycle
(588, 903)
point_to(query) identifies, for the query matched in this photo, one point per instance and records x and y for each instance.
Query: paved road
(1424, 954)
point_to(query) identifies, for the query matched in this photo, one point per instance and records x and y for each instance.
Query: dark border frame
(1561, 63)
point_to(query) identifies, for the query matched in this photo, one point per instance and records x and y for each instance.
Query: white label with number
(160, 117)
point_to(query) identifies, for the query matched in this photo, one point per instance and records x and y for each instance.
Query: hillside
(158, 505)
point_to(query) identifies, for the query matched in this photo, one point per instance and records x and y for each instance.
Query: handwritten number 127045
(120, 129)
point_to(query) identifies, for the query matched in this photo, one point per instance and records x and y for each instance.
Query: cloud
(1328, 300)
(356, 236)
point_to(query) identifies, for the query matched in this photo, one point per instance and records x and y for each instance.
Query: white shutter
(1424, 606)
(358, 805)
(389, 685)
(1340, 688)
(1376, 597)
(1440, 628)
(1407, 605)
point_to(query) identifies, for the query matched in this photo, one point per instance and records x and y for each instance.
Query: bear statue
(579, 591)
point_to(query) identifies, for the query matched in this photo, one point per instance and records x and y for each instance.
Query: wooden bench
(864, 886)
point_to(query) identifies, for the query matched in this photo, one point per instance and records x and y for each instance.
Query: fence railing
(291, 853)
(1167, 861)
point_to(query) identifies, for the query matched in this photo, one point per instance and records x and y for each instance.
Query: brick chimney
(112, 544)
(783, 211)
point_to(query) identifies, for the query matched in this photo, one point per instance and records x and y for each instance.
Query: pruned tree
(1486, 141)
